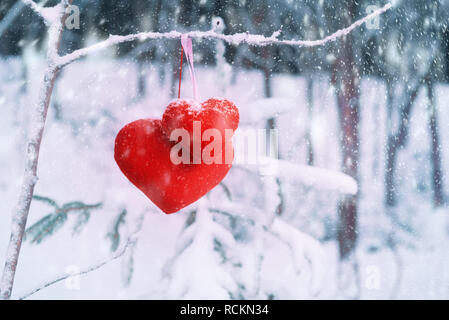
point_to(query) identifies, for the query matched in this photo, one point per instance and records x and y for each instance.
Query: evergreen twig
(114, 234)
(53, 221)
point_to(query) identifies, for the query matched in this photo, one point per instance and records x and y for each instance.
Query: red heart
(142, 152)
(214, 113)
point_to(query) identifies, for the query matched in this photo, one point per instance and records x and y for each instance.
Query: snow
(77, 152)
(236, 246)
(306, 251)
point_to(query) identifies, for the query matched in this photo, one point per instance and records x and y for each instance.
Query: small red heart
(142, 152)
(214, 113)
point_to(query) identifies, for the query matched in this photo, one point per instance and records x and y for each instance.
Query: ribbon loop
(186, 43)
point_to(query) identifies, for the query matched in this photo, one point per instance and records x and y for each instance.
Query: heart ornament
(177, 160)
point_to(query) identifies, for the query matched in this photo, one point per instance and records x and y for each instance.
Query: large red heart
(142, 152)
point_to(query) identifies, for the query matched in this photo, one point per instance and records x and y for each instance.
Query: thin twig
(87, 270)
(79, 208)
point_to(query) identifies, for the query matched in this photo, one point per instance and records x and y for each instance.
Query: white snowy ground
(98, 97)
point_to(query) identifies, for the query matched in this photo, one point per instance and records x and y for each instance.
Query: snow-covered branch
(54, 17)
(238, 38)
(129, 244)
(319, 178)
(33, 5)
(50, 14)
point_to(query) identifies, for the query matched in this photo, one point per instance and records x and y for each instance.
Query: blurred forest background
(372, 105)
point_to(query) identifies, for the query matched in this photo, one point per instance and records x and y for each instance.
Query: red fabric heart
(142, 152)
(214, 113)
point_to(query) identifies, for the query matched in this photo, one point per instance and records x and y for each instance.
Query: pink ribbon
(186, 43)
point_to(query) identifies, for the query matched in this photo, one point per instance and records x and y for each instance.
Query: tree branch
(238, 38)
(20, 213)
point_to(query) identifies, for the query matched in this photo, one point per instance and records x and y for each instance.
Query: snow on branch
(319, 178)
(54, 18)
(50, 15)
(238, 38)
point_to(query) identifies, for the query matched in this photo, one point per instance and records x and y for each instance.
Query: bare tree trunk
(267, 82)
(271, 122)
(141, 78)
(270, 125)
(437, 174)
(175, 70)
(309, 94)
(397, 141)
(20, 213)
(346, 77)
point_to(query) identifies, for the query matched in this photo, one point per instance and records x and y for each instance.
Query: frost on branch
(318, 178)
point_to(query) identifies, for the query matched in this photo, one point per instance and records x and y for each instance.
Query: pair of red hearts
(142, 152)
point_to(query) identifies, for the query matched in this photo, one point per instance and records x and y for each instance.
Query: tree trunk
(271, 122)
(270, 125)
(309, 94)
(346, 78)
(437, 175)
(397, 141)
(141, 78)
(175, 72)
